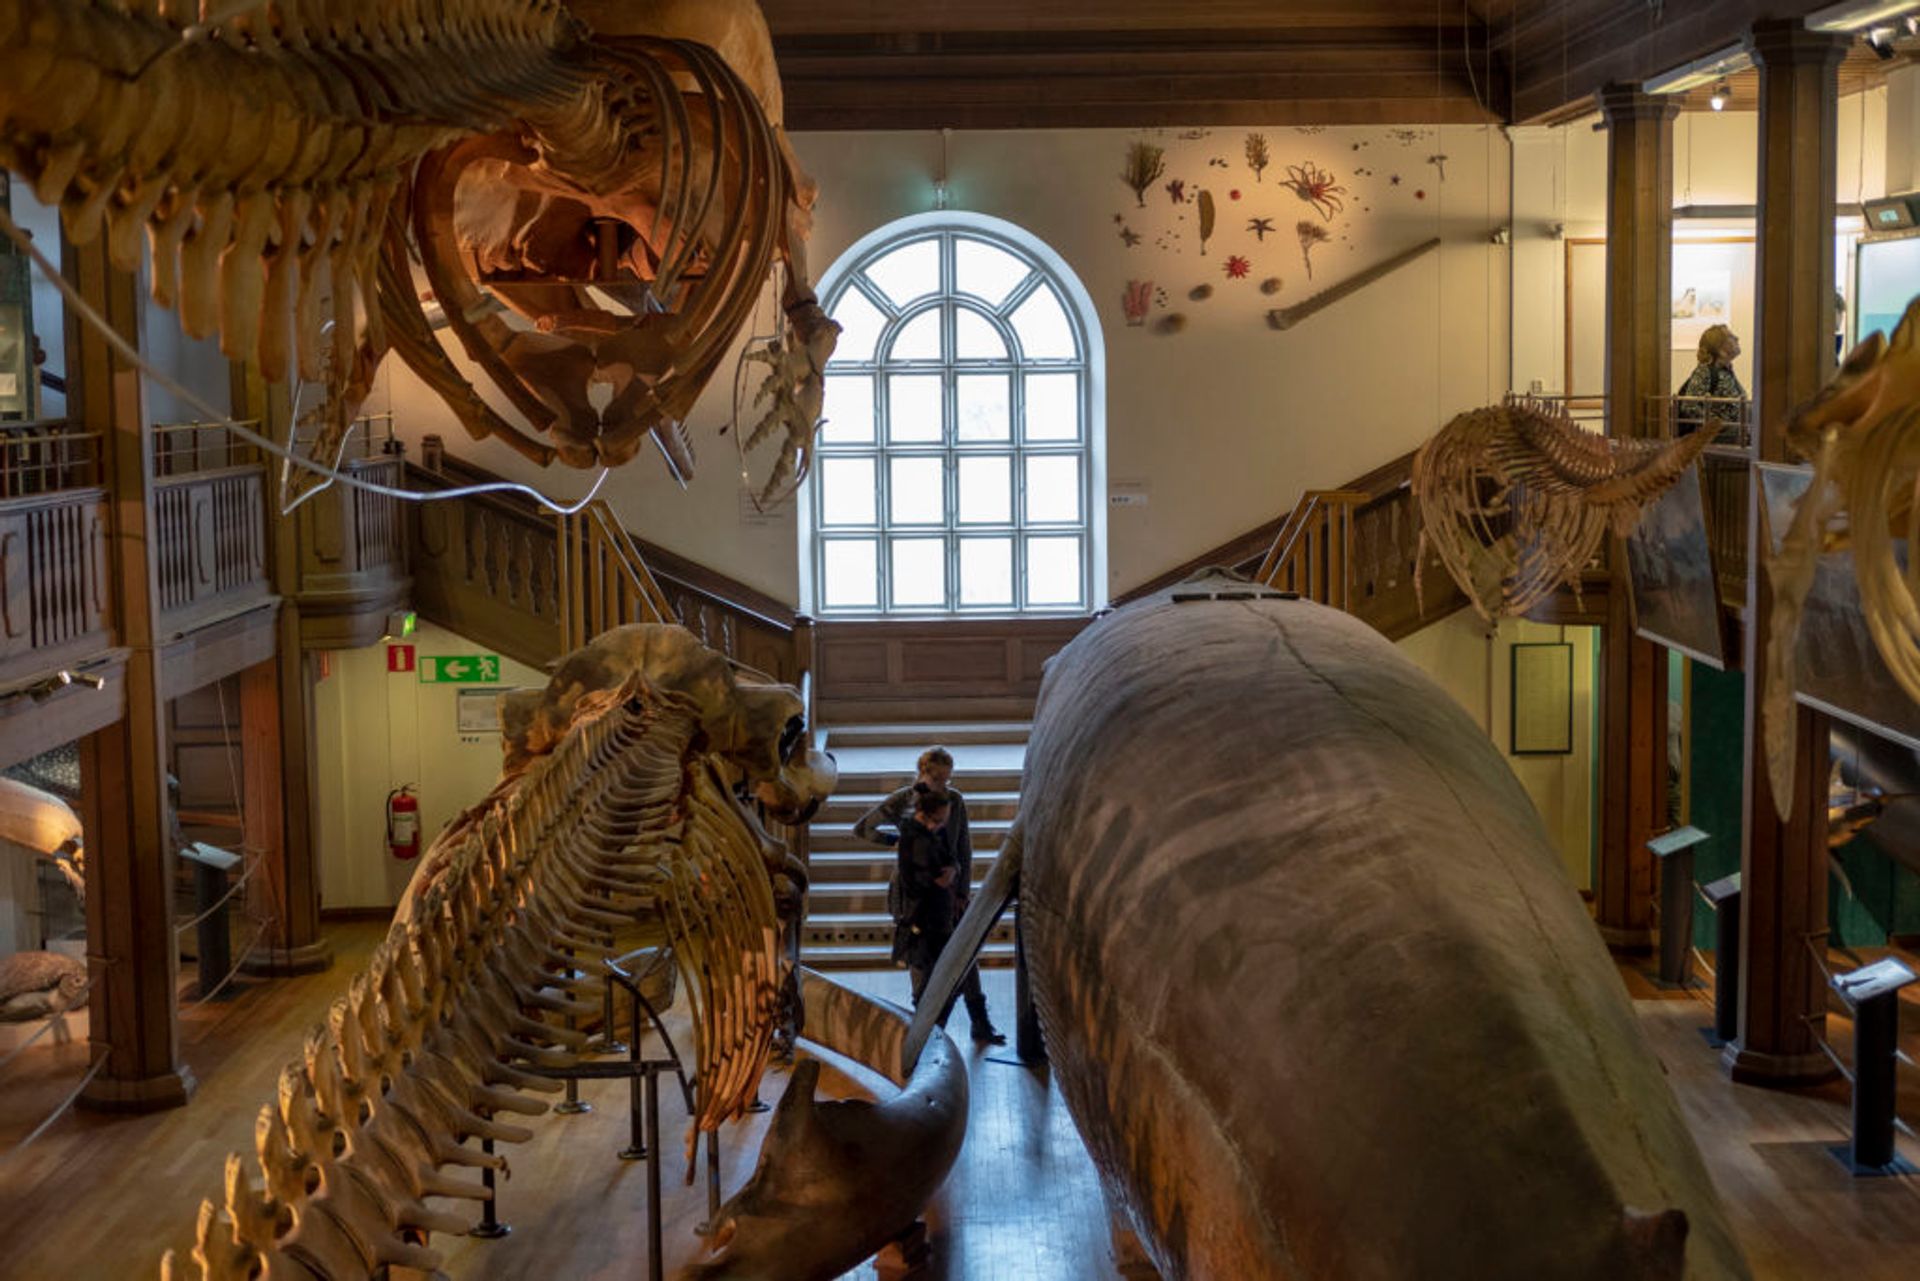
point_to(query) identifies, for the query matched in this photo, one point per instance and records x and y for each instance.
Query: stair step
(983, 833)
(921, 737)
(833, 928)
(887, 778)
(969, 761)
(860, 956)
(847, 806)
(830, 897)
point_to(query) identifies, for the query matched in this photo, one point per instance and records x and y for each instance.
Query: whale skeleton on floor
(617, 821)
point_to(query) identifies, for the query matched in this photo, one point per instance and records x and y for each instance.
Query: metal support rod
(636, 1149)
(654, 1250)
(489, 1226)
(713, 1180)
(573, 1104)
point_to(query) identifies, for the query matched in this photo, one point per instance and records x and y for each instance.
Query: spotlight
(90, 680)
(1718, 99)
(1912, 23)
(1880, 40)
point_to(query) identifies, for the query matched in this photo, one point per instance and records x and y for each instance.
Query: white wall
(375, 730)
(1473, 662)
(1227, 421)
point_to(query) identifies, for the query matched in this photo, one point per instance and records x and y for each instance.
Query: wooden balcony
(353, 548)
(212, 554)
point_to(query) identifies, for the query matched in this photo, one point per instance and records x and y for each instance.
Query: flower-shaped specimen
(1311, 234)
(1238, 267)
(1316, 186)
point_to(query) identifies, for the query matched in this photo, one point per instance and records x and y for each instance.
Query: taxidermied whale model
(1319, 997)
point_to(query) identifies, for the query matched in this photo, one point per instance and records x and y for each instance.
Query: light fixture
(1711, 69)
(1853, 15)
(1718, 99)
(1880, 40)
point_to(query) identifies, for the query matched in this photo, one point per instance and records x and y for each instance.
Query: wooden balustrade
(500, 570)
(487, 567)
(211, 530)
(54, 597)
(1313, 552)
(353, 555)
(606, 583)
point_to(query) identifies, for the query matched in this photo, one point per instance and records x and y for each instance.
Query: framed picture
(1541, 722)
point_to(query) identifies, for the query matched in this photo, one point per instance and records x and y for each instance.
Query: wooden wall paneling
(934, 670)
(218, 650)
(1783, 906)
(130, 936)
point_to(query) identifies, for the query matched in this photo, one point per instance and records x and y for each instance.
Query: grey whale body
(1317, 992)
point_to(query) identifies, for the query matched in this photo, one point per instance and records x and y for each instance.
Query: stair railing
(604, 580)
(1313, 552)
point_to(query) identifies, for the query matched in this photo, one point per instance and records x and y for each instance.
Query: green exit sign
(459, 669)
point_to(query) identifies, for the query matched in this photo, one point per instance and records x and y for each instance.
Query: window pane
(986, 571)
(1053, 571)
(852, 573)
(919, 339)
(847, 491)
(1042, 326)
(986, 271)
(919, 572)
(1053, 487)
(918, 493)
(915, 412)
(986, 490)
(981, 402)
(909, 272)
(860, 326)
(1053, 406)
(975, 338)
(849, 410)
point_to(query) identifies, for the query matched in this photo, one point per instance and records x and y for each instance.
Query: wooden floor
(100, 1197)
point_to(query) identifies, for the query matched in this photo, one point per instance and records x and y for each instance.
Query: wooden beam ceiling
(1008, 64)
(1561, 52)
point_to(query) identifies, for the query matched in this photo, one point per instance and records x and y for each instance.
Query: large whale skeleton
(1319, 998)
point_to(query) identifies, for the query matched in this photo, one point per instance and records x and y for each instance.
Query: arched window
(958, 470)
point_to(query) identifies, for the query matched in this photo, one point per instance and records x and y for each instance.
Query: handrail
(1313, 552)
(605, 580)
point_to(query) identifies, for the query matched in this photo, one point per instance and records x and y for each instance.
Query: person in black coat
(929, 873)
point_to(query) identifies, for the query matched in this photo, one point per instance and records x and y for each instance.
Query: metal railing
(1729, 418)
(186, 449)
(47, 458)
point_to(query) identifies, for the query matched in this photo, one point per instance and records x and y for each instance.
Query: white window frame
(1090, 365)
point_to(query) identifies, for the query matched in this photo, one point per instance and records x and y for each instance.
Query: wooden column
(132, 954)
(1784, 865)
(276, 727)
(1633, 683)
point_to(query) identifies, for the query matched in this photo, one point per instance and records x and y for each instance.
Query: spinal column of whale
(616, 821)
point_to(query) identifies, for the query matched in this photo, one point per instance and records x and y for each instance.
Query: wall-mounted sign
(1126, 493)
(477, 711)
(459, 669)
(399, 658)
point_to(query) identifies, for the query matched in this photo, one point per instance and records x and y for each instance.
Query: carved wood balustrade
(353, 554)
(212, 549)
(487, 567)
(495, 568)
(55, 603)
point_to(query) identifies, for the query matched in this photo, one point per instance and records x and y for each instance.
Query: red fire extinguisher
(403, 823)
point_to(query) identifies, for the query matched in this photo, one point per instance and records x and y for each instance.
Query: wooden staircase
(847, 924)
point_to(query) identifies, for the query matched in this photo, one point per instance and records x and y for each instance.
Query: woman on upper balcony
(1712, 393)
